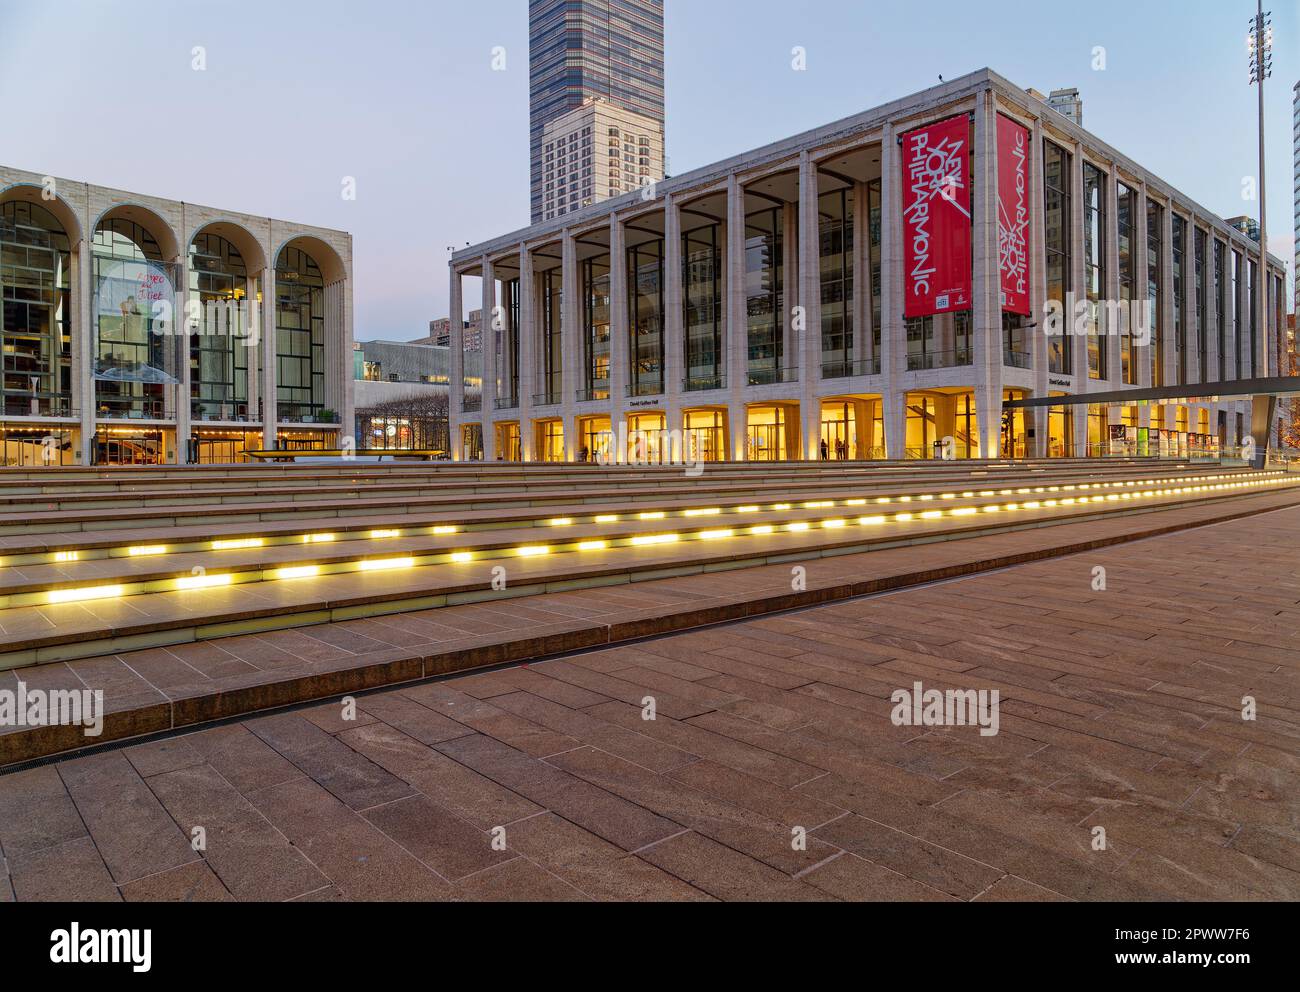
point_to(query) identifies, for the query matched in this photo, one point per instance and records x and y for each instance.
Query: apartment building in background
(586, 50)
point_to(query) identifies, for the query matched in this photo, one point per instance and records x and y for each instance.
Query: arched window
(300, 337)
(136, 354)
(35, 328)
(218, 343)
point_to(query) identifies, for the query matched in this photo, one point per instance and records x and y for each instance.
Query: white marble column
(810, 299)
(456, 308)
(491, 327)
(986, 297)
(674, 323)
(527, 331)
(620, 360)
(893, 336)
(571, 344)
(737, 319)
(270, 393)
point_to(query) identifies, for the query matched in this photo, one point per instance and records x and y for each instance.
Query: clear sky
(401, 95)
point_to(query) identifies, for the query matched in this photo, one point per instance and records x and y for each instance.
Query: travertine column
(571, 344)
(456, 407)
(620, 358)
(1169, 363)
(490, 328)
(674, 323)
(810, 298)
(893, 336)
(1142, 355)
(270, 391)
(83, 335)
(986, 298)
(527, 332)
(737, 318)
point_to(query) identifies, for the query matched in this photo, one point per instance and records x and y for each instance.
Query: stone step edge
(161, 719)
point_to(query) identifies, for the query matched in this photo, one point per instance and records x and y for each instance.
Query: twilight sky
(400, 94)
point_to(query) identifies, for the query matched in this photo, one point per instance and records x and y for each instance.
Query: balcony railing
(507, 403)
(547, 398)
(1017, 359)
(472, 404)
(645, 389)
(43, 405)
(939, 360)
(848, 369)
(769, 377)
(594, 393)
(702, 383)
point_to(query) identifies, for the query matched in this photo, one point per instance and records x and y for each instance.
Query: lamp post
(1259, 44)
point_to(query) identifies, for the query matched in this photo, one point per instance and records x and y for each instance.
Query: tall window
(645, 268)
(765, 294)
(34, 329)
(595, 328)
(873, 222)
(836, 256)
(1202, 299)
(1177, 273)
(1220, 312)
(702, 301)
(133, 361)
(1155, 248)
(1235, 289)
(300, 336)
(1124, 210)
(552, 342)
(1252, 302)
(511, 348)
(218, 356)
(1094, 265)
(1056, 220)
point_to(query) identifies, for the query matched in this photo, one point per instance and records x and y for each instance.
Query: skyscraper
(583, 50)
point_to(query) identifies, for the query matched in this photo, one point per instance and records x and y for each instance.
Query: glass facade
(1202, 299)
(1057, 244)
(551, 366)
(134, 316)
(299, 337)
(765, 295)
(585, 49)
(595, 327)
(1177, 275)
(1094, 266)
(1155, 288)
(35, 325)
(705, 358)
(218, 355)
(835, 254)
(1125, 206)
(1221, 317)
(645, 267)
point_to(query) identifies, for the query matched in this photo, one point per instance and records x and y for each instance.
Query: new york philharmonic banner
(936, 218)
(1013, 215)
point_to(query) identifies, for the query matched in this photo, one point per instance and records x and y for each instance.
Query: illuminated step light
(932, 515)
(236, 545)
(607, 518)
(871, 521)
(385, 564)
(993, 509)
(654, 515)
(747, 509)
(444, 531)
(204, 581)
(716, 535)
(763, 529)
(964, 511)
(319, 538)
(824, 505)
(67, 556)
(883, 501)
(834, 524)
(299, 572)
(799, 527)
(903, 517)
(905, 499)
(83, 594)
(1035, 505)
(856, 502)
(533, 551)
(593, 545)
(384, 535)
(713, 512)
(561, 522)
(147, 551)
(651, 539)
(462, 557)
(782, 506)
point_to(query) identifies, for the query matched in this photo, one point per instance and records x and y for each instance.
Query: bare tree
(424, 414)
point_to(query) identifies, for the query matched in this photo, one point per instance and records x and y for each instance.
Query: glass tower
(586, 49)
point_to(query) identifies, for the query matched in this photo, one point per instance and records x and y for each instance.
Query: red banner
(1013, 215)
(936, 218)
